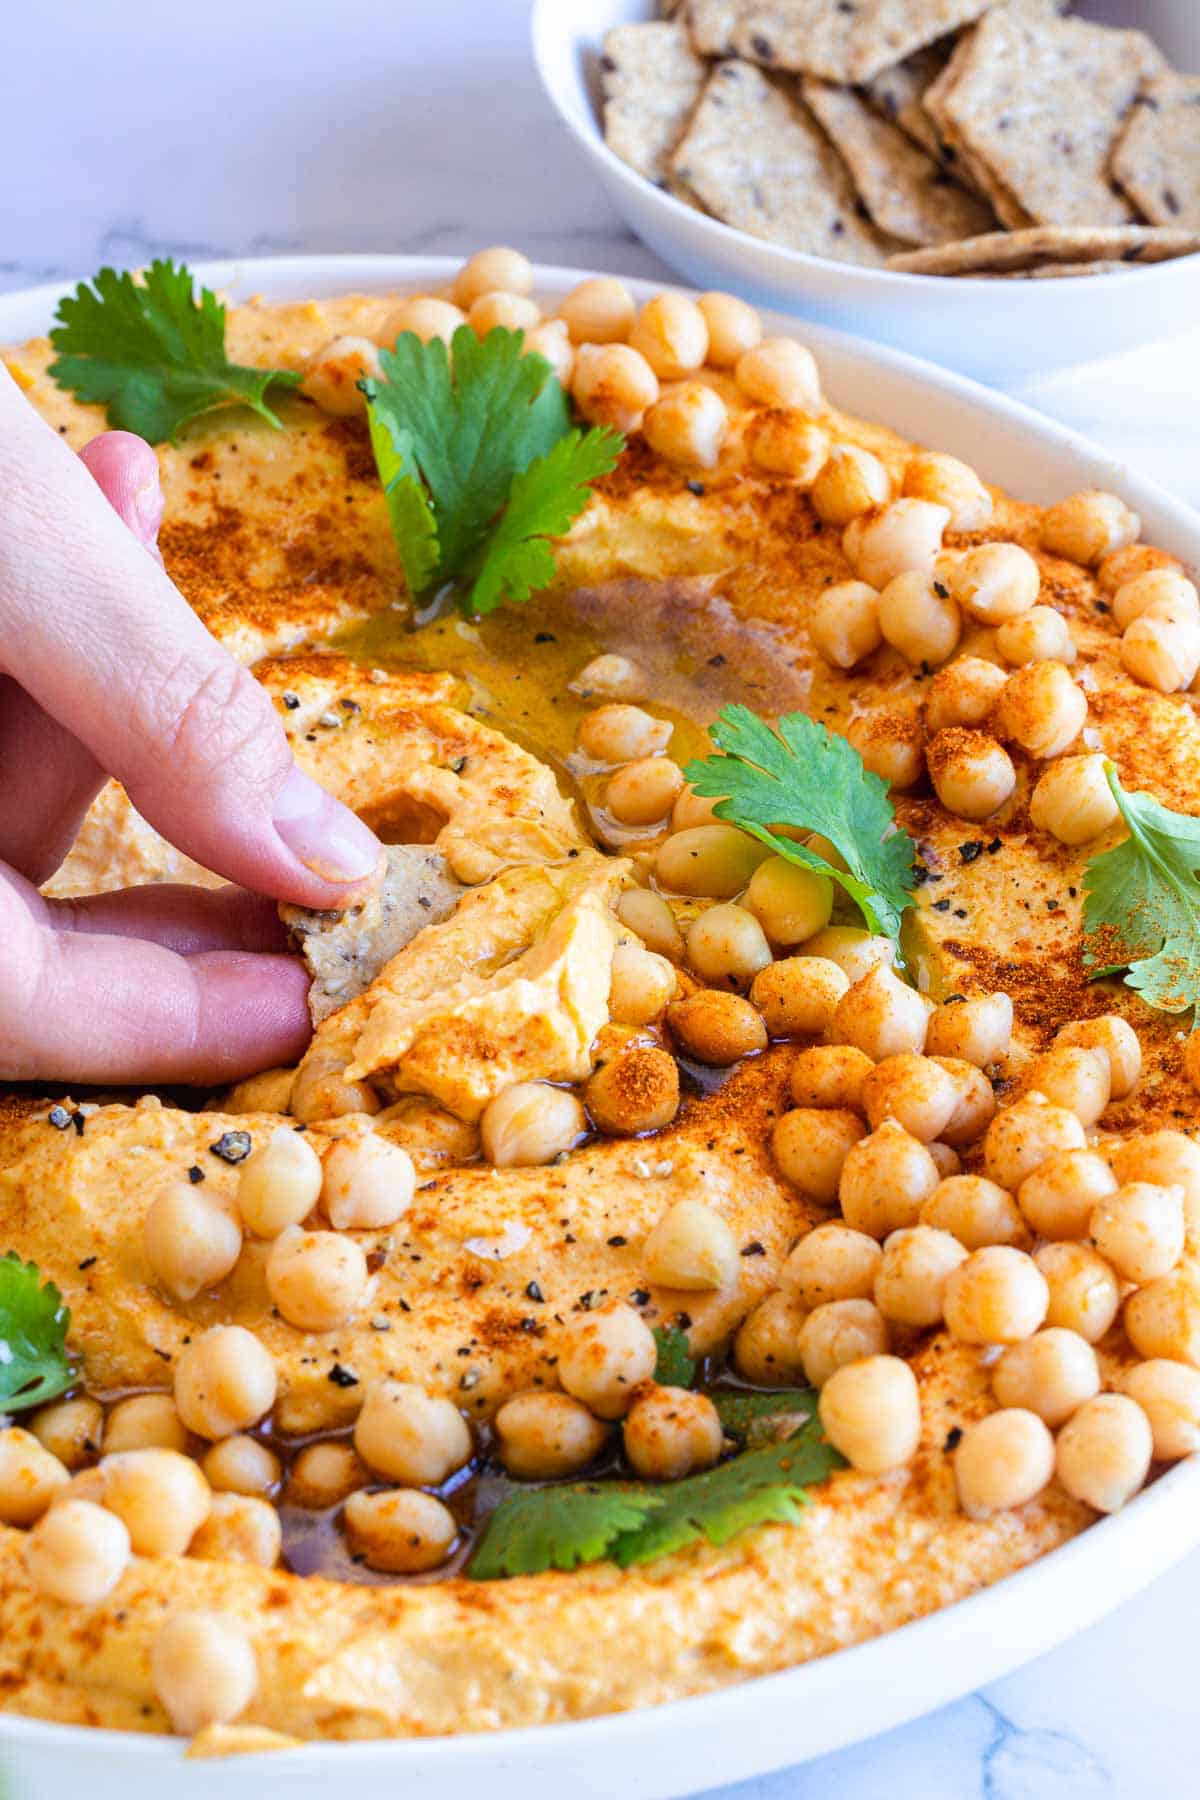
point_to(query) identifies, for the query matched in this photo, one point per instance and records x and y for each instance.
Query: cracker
(1004, 252)
(896, 94)
(840, 42)
(756, 158)
(956, 153)
(905, 191)
(1157, 156)
(652, 80)
(1037, 102)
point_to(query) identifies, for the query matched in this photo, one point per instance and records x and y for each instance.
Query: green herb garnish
(1141, 913)
(756, 1418)
(676, 1366)
(480, 463)
(635, 1522)
(802, 775)
(33, 1337)
(153, 354)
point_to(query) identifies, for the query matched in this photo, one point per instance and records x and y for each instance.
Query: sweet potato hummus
(509, 933)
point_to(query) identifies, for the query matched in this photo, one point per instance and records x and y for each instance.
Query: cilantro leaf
(802, 775)
(758, 1418)
(544, 499)
(413, 525)
(558, 1528)
(675, 1366)
(153, 354)
(33, 1337)
(1141, 910)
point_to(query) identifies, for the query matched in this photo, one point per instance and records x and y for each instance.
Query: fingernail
(323, 833)
(148, 511)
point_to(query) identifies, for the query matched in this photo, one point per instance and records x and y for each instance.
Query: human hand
(105, 670)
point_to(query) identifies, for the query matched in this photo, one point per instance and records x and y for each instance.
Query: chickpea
(1161, 648)
(648, 914)
(852, 482)
(613, 384)
(145, 1422)
(315, 1278)
(1073, 801)
(433, 1137)
(542, 1435)
(1170, 1158)
(891, 745)
(1169, 1395)
(919, 619)
(976, 1211)
(733, 328)
(840, 1332)
(529, 1124)
(691, 1247)
(977, 1031)
(498, 270)
(598, 311)
(854, 951)
(1020, 1138)
(1084, 1292)
(642, 985)
(1120, 566)
(279, 1182)
(1163, 1318)
(902, 537)
(844, 623)
(1041, 709)
(713, 861)
(727, 944)
(241, 1465)
(30, 1477)
(1058, 1198)
(323, 1475)
(333, 373)
(670, 1433)
(550, 341)
(77, 1552)
(368, 1183)
(190, 1241)
(1139, 1228)
(240, 1528)
(634, 1091)
(947, 1161)
(1146, 591)
(997, 1296)
(670, 332)
(1040, 635)
(767, 1346)
(269, 1092)
(427, 317)
(780, 372)
(911, 1282)
(321, 1091)
(224, 1381)
(832, 1262)
(204, 1670)
(643, 792)
(810, 1147)
(1104, 1452)
(1088, 525)
(962, 693)
(830, 1075)
(798, 996)
(504, 312)
(931, 475)
(886, 1179)
(692, 809)
(976, 1103)
(717, 1028)
(1119, 1042)
(784, 442)
(409, 1435)
(791, 901)
(1073, 1076)
(604, 1356)
(913, 1090)
(611, 677)
(993, 582)
(871, 1412)
(1051, 1374)
(881, 1015)
(1002, 1461)
(618, 733)
(403, 1532)
(688, 426)
(71, 1430)
(972, 774)
(160, 1495)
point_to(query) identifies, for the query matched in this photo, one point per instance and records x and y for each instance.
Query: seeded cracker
(956, 153)
(1042, 246)
(838, 42)
(1038, 102)
(905, 191)
(1157, 158)
(756, 158)
(652, 80)
(896, 94)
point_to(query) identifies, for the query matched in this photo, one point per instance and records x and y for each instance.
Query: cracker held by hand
(1044, 246)
(1157, 158)
(652, 80)
(846, 43)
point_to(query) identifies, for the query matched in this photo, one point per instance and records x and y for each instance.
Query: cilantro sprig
(1141, 914)
(802, 775)
(480, 463)
(152, 353)
(676, 1366)
(33, 1337)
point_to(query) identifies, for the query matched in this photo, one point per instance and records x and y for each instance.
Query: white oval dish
(769, 1723)
(996, 330)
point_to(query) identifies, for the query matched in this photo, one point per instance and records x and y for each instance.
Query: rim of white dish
(994, 1630)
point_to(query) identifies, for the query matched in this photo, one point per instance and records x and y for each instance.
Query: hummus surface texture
(459, 737)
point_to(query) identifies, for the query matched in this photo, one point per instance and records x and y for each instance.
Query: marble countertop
(266, 126)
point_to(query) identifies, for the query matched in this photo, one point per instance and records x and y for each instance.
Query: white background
(229, 127)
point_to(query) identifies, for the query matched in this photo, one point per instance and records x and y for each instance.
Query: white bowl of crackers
(1000, 185)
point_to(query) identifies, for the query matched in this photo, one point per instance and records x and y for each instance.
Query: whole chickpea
(709, 861)
(496, 270)
(976, 1211)
(790, 901)
(931, 475)
(224, 1381)
(77, 1552)
(30, 1477)
(963, 692)
(1169, 1395)
(643, 983)
(1073, 801)
(320, 1090)
(333, 373)
(409, 1435)
(618, 733)
(840, 1332)
(204, 1670)
(976, 1103)
(368, 1183)
(634, 1091)
(322, 1476)
(885, 1180)
(871, 1412)
(997, 1296)
(1169, 1158)
(692, 809)
(315, 1278)
(993, 582)
(798, 995)
(643, 792)
(1119, 1042)
(851, 482)
(501, 311)
(727, 946)
(648, 914)
(403, 1532)
(902, 536)
(613, 384)
(670, 332)
(1020, 1138)
(241, 1465)
(977, 1030)
(716, 1028)
(919, 619)
(161, 1496)
(691, 1247)
(881, 1015)
(1163, 1318)
(191, 1242)
(604, 1356)
(1120, 566)
(972, 774)
(832, 1262)
(780, 372)
(785, 442)
(611, 677)
(1104, 1452)
(145, 1422)
(599, 311)
(1084, 1292)
(529, 1124)
(1140, 1230)
(1041, 709)
(844, 625)
(1002, 1461)
(1059, 1197)
(426, 317)
(810, 1147)
(1040, 635)
(240, 1528)
(767, 1346)
(1073, 1076)
(911, 1283)
(542, 1435)
(71, 1430)
(550, 340)
(856, 952)
(830, 1075)
(891, 744)
(917, 1092)
(733, 328)
(279, 1183)
(1088, 525)
(1146, 591)
(688, 426)
(1051, 1374)
(670, 1432)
